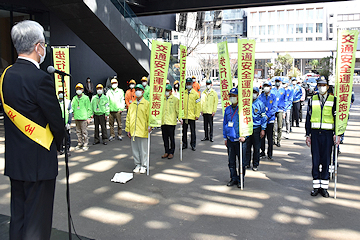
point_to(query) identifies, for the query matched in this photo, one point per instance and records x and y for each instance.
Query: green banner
(345, 64)
(159, 65)
(246, 67)
(224, 74)
(183, 54)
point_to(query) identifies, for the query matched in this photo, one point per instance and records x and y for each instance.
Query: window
(330, 30)
(262, 40)
(300, 14)
(289, 39)
(262, 16)
(290, 14)
(280, 15)
(319, 28)
(309, 28)
(253, 30)
(299, 39)
(319, 13)
(310, 13)
(272, 16)
(299, 28)
(271, 30)
(309, 39)
(176, 37)
(261, 30)
(281, 29)
(280, 39)
(356, 16)
(271, 40)
(253, 16)
(290, 28)
(319, 39)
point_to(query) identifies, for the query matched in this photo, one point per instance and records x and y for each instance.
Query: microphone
(51, 69)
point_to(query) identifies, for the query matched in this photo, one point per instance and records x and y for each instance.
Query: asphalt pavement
(189, 199)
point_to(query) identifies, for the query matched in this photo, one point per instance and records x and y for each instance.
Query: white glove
(67, 126)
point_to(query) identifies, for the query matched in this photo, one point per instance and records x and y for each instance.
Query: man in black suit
(31, 167)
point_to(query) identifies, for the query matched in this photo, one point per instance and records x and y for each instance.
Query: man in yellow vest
(209, 102)
(192, 107)
(101, 110)
(81, 107)
(117, 106)
(320, 136)
(137, 128)
(168, 122)
(67, 114)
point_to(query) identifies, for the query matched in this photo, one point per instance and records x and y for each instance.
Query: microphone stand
(66, 164)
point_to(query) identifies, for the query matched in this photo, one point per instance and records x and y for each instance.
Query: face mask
(132, 86)
(255, 96)
(100, 91)
(167, 93)
(189, 87)
(42, 58)
(144, 84)
(322, 90)
(114, 85)
(78, 92)
(138, 93)
(294, 83)
(61, 95)
(208, 86)
(233, 100)
(277, 84)
(194, 80)
(266, 89)
(176, 86)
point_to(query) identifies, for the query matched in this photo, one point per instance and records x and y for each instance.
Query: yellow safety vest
(322, 118)
(32, 130)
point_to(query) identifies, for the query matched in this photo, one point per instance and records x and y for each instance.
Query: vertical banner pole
(336, 153)
(241, 168)
(183, 54)
(148, 156)
(181, 142)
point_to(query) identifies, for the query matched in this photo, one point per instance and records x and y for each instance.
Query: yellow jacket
(209, 101)
(192, 104)
(170, 110)
(137, 119)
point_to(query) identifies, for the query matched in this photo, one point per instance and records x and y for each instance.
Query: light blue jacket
(231, 132)
(297, 93)
(289, 98)
(259, 114)
(280, 98)
(270, 106)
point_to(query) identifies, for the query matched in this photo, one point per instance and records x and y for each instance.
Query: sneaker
(247, 166)
(78, 147)
(255, 169)
(111, 138)
(136, 169)
(143, 170)
(262, 154)
(286, 135)
(85, 148)
(120, 138)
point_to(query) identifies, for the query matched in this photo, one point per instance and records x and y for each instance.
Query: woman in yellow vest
(320, 136)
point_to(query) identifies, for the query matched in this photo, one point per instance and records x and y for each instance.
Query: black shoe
(262, 154)
(297, 125)
(211, 140)
(315, 192)
(205, 139)
(193, 148)
(278, 145)
(255, 169)
(239, 184)
(184, 147)
(247, 166)
(105, 143)
(232, 183)
(271, 158)
(96, 143)
(69, 153)
(61, 152)
(324, 193)
(341, 141)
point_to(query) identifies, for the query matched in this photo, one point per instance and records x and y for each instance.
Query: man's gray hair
(25, 35)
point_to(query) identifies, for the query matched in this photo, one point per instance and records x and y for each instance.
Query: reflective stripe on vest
(32, 130)
(322, 118)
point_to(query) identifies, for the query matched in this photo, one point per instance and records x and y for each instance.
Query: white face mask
(233, 100)
(266, 89)
(294, 83)
(322, 90)
(194, 80)
(277, 84)
(208, 86)
(114, 85)
(138, 93)
(42, 58)
(79, 92)
(167, 93)
(176, 86)
(100, 91)
(61, 95)
(132, 86)
(189, 87)
(255, 95)
(144, 84)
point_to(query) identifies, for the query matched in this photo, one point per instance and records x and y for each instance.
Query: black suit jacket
(31, 92)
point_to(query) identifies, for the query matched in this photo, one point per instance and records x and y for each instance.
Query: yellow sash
(32, 130)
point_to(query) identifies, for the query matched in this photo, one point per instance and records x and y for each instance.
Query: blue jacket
(280, 98)
(259, 114)
(270, 106)
(231, 115)
(297, 93)
(289, 98)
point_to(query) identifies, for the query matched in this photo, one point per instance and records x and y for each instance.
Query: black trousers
(208, 123)
(31, 209)
(253, 141)
(295, 114)
(233, 153)
(269, 135)
(187, 122)
(168, 133)
(100, 120)
(300, 111)
(321, 147)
